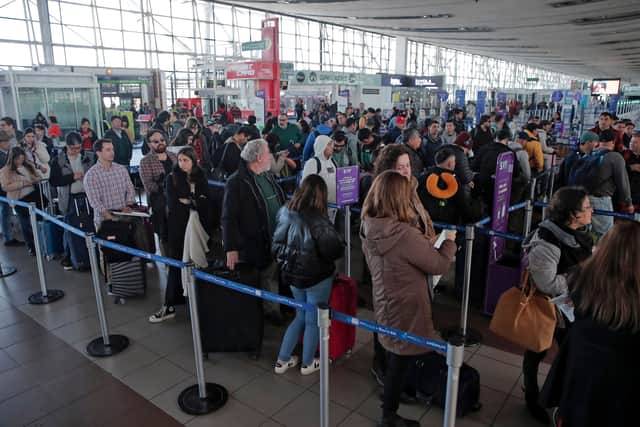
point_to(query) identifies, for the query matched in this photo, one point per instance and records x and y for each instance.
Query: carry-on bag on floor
(127, 279)
(343, 298)
(80, 217)
(121, 232)
(230, 321)
(429, 378)
(51, 236)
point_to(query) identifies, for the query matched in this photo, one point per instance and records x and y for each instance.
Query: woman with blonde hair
(594, 379)
(400, 257)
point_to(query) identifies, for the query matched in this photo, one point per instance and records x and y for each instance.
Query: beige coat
(399, 258)
(18, 185)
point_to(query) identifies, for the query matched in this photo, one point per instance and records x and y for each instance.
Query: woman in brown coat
(400, 257)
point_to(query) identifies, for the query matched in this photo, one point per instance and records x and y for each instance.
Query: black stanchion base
(191, 403)
(7, 270)
(472, 338)
(96, 348)
(52, 296)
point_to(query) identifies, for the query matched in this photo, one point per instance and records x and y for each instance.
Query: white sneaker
(308, 370)
(165, 313)
(282, 367)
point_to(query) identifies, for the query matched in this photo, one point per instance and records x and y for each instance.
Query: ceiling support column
(401, 55)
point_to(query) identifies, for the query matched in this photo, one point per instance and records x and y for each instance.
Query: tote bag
(525, 317)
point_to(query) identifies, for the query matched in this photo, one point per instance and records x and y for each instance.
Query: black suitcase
(127, 279)
(429, 378)
(81, 218)
(230, 321)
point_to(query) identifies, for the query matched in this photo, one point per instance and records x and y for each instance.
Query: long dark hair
(195, 170)
(182, 137)
(607, 286)
(311, 195)
(16, 152)
(565, 204)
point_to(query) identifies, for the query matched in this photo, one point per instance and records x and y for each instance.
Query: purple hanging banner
(347, 185)
(501, 199)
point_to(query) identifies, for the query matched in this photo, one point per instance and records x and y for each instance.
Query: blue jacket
(308, 152)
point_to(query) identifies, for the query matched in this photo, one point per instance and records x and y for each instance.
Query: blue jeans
(5, 211)
(306, 321)
(601, 224)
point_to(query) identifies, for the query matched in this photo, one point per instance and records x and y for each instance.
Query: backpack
(585, 171)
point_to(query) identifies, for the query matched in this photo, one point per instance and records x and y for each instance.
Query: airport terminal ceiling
(589, 38)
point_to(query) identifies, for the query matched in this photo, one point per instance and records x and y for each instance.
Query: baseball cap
(463, 140)
(589, 137)
(607, 135)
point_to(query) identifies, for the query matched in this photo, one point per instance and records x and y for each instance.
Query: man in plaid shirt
(107, 184)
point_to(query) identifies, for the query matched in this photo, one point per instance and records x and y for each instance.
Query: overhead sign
(533, 79)
(250, 70)
(430, 82)
(556, 96)
(256, 45)
(400, 80)
(328, 77)
(443, 95)
(481, 104)
(460, 97)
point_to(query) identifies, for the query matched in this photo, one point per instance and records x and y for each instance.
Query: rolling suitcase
(82, 218)
(121, 232)
(127, 279)
(230, 321)
(51, 236)
(343, 298)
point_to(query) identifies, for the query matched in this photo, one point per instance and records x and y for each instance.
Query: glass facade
(185, 38)
(475, 72)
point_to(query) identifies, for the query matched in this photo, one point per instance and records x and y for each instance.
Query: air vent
(523, 46)
(462, 29)
(571, 3)
(606, 19)
(380, 18)
(476, 39)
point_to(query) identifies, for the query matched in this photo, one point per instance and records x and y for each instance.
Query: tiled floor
(46, 378)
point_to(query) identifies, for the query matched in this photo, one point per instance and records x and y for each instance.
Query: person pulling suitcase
(306, 246)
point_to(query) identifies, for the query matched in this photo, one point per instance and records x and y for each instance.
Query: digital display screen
(605, 87)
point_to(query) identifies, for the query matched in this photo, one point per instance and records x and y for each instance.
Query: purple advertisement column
(347, 185)
(501, 199)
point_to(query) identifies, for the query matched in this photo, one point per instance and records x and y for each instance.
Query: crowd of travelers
(412, 172)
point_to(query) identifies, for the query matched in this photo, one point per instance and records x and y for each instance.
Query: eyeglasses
(157, 141)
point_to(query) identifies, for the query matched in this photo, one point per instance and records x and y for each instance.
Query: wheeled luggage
(343, 298)
(127, 279)
(230, 321)
(428, 376)
(51, 236)
(121, 232)
(80, 217)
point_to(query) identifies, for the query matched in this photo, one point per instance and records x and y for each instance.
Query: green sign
(533, 79)
(257, 45)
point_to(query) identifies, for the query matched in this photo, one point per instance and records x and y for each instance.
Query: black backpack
(429, 378)
(585, 171)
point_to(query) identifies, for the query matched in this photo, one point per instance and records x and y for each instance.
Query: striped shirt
(108, 189)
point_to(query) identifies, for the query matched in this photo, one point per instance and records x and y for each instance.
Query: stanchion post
(323, 323)
(347, 239)
(469, 236)
(455, 357)
(552, 179)
(528, 217)
(534, 184)
(106, 345)
(636, 216)
(203, 397)
(44, 296)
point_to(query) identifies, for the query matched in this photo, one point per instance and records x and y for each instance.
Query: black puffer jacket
(305, 245)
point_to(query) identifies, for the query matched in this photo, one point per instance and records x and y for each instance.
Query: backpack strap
(318, 164)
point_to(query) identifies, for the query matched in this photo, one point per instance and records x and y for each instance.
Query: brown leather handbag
(525, 316)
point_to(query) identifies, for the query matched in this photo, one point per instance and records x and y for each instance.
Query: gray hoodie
(544, 258)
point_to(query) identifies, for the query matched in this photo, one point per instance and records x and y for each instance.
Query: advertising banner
(501, 199)
(460, 97)
(481, 101)
(556, 96)
(250, 70)
(443, 95)
(347, 185)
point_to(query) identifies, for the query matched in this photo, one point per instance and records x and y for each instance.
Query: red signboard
(251, 70)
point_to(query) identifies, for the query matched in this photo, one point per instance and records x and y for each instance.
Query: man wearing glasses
(289, 134)
(154, 167)
(67, 172)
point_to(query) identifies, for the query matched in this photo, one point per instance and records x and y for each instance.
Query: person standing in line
(186, 189)
(449, 134)
(594, 379)
(251, 202)
(154, 168)
(306, 246)
(400, 258)
(36, 152)
(89, 136)
(19, 178)
(5, 209)
(554, 250)
(120, 141)
(108, 184)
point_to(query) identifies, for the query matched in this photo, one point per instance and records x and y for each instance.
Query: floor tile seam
(498, 360)
(62, 325)
(20, 341)
(15, 323)
(146, 365)
(234, 395)
(28, 389)
(149, 399)
(504, 404)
